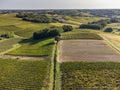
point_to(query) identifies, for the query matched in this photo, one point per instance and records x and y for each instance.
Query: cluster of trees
(96, 25)
(52, 32)
(90, 26)
(34, 17)
(67, 28)
(108, 30)
(45, 33)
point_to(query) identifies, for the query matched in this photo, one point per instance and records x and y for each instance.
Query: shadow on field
(32, 41)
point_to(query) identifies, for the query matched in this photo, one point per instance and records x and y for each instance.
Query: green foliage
(57, 38)
(67, 28)
(108, 30)
(23, 75)
(90, 76)
(34, 17)
(90, 26)
(80, 35)
(34, 48)
(45, 33)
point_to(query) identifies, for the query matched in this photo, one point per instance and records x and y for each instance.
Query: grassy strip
(51, 80)
(57, 72)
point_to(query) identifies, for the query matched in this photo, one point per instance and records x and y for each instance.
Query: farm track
(22, 57)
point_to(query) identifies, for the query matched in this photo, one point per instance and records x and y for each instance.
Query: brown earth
(87, 50)
(22, 57)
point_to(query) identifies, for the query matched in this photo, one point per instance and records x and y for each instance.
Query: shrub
(108, 30)
(45, 33)
(67, 28)
(90, 26)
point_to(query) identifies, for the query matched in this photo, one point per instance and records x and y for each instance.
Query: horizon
(55, 4)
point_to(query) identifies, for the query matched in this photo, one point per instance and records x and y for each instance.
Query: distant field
(8, 44)
(34, 48)
(87, 50)
(90, 76)
(80, 35)
(76, 20)
(23, 75)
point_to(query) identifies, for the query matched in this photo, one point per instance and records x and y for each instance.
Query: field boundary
(111, 44)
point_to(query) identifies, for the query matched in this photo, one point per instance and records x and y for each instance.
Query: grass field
(76, 20)
(8, 44)
(90, 76)
(80, 35)
(35, 48)
(23, 75)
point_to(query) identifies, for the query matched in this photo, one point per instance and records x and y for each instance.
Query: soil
(87, 50)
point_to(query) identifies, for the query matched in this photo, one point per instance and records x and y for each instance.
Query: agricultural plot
(8, 44)
(80, 35)
(90, 76)
(87, 50)
(24, 75)
(34, 48)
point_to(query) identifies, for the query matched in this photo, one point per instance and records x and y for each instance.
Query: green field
(23, 75)
(8, 44)
(80, 35)
(76, 20)
(90, 76)
(34, 48)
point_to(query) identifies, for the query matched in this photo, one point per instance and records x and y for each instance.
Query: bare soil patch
(22, 57)
(87, 50)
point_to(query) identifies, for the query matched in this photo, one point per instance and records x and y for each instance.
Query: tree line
(34, 17)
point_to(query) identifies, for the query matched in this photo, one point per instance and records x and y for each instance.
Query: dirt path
(22, 57)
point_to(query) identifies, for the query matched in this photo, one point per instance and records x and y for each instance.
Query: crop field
(8, 44)
(34, 48)
(87, 50)
(75, 20)
(90, 76)
(80, 35)
(23, 75)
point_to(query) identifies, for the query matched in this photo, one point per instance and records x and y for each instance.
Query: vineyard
(80, 35)
(23, 75)
(90, 76)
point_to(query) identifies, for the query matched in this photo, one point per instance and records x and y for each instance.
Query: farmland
(23, 75)
(90, 76)
(87, 50)
(80, 35)
(81, 60)
(8, 44)
(34, 48)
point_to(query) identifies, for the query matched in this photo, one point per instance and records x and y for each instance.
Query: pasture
(90, 76)
(87, 50)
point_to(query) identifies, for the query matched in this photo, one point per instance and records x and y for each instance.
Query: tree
(108, 30)
(57, 38)
(67, 28)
